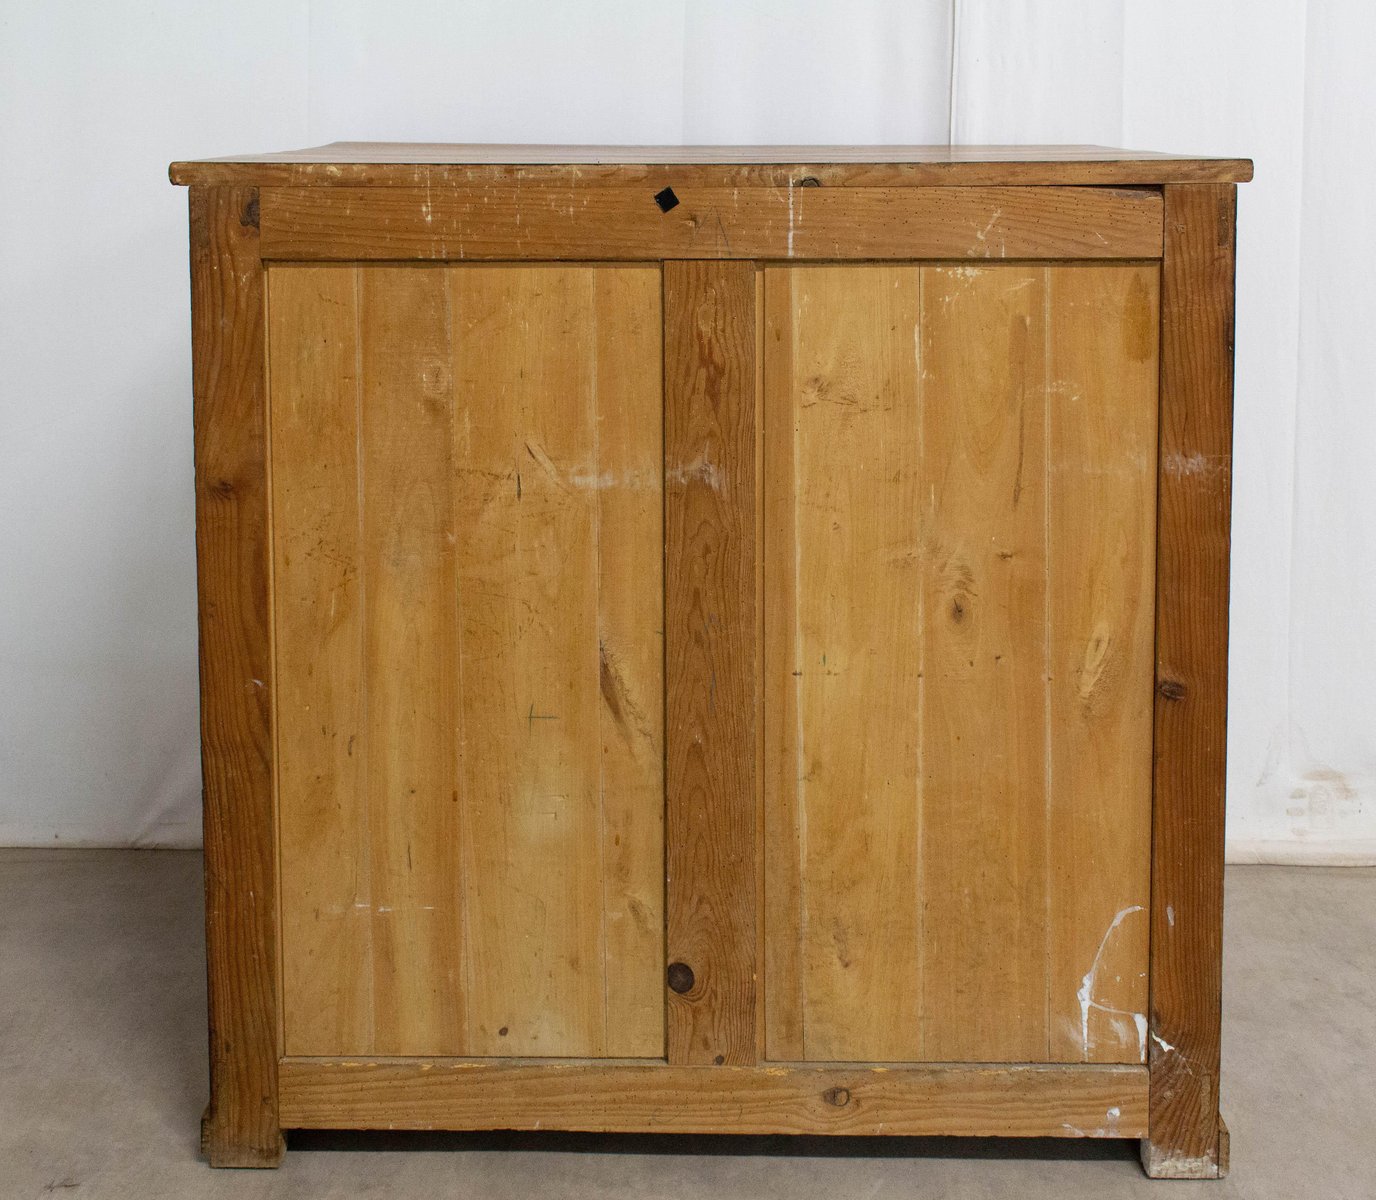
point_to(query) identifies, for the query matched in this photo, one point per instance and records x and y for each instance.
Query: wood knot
(720, 1059)
(680, 978)
(248, 218)
(1171, 689)
(839, 1097)
(809, 181)
(503, 1031)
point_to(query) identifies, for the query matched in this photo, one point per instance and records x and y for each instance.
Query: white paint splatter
(1085, 993)
(1176, 463)
(1170, 915)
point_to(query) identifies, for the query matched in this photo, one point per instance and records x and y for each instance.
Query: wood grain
(437, 164)
(1101, 550)
(627, 313)
(966, 1100)
(923, 1101)
(327, 958)
(841, 421)
(240, 1127)
(983, 769)
(514, 222)
(468, 486)
(958, 638)
(710, 659)
(1194, 493)
(408, 739)
(549, 786)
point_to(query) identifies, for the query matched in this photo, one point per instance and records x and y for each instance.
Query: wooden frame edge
(240, 1127)
(982, 1100)
(515, 223)
(1190, 723)
(710, 644)
(1048, 172)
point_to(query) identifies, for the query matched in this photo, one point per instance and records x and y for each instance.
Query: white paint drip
(790, 218)
(1085, 993)
(1170, 915)
(983, 233)
(1160, 1041)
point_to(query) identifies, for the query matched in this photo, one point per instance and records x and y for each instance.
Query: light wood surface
(710, 341)
(1195, 484)
(516, 222)
(471, 822)
(1101, 447)
(240, 1128)
(416, 164)
(841, 381)
(958, 660)
(1002, 1101)
(747, 661)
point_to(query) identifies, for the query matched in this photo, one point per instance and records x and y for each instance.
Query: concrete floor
(102, 1072)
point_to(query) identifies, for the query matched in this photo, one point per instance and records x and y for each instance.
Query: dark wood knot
(1171, 689)
(680, 978)
(837, 1096)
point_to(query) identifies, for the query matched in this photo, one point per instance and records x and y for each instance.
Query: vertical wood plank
(628, 390)
(409, 639)
(1102, 364)
(850, 654)
(327, 980)
(710, 344)
(983, 787)
(529, 659)
(783, 845)
(240, 1127)
(1194, 496)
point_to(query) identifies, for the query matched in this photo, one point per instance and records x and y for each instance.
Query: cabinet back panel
(959, 474)
(467, 518)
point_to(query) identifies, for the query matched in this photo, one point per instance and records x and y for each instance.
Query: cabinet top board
(407, 164)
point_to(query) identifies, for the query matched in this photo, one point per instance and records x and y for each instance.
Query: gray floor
(102, 1071)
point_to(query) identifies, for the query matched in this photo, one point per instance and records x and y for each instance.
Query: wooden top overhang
(408, 164)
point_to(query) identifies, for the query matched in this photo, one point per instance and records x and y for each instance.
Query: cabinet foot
(225, 1147)
(1167, 1162)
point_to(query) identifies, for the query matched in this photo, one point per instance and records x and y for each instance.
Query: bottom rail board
(959, 1099)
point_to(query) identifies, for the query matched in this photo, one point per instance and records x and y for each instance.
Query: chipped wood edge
(1161, 1162)
(240, 1127)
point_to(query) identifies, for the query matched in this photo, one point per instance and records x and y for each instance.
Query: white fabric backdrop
(97, 617)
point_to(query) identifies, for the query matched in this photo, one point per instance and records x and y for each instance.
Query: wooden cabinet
(714, 640)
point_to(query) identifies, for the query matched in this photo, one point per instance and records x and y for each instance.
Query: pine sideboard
(714, 639)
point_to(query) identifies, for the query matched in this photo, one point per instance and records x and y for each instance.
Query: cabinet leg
(1169, 1162)
(251, 1146)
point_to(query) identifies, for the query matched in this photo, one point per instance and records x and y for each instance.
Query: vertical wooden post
(710, 347)
(240, 1128)
(1186, 1138)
